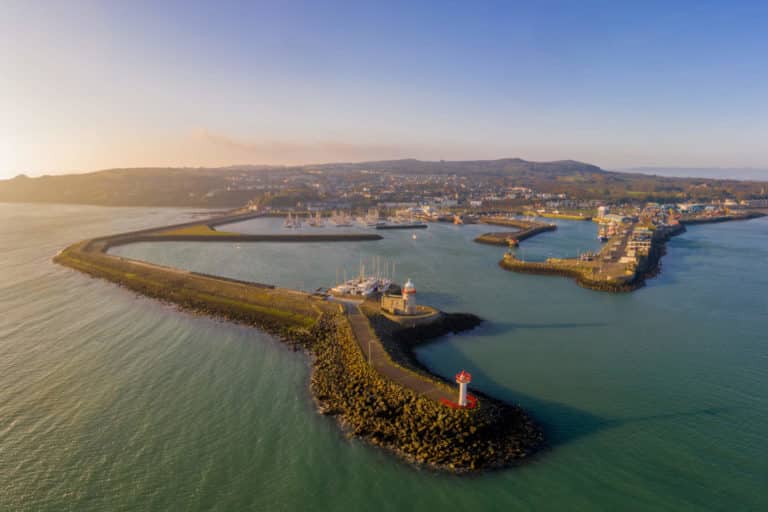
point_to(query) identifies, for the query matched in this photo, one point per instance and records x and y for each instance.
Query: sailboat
(316, 221)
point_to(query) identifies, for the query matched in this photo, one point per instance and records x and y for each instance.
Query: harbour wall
(369, 405)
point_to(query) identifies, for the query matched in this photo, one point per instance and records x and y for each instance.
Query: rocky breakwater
(420, 429)
(525, 229)
(601, 273)
(417, 428)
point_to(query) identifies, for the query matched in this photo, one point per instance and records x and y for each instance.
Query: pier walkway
(377, 355)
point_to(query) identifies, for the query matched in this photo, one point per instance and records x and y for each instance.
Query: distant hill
(235, 185)
(502, 167)
(722, 173)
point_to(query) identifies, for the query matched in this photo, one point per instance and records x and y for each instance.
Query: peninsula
(363, 368)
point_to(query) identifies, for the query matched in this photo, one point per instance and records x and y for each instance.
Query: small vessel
(602, 234)
(341, 220)
(289, 223)
(371, 220)
(363, 285)
(458, 219)
(317, 221)
(413, 236)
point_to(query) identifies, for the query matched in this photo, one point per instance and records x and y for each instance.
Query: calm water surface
(655, 400)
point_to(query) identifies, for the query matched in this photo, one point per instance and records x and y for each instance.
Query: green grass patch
(196, 230)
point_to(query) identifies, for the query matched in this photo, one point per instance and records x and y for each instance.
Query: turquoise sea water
(655, 400)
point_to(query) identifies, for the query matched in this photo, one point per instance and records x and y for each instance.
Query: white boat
(316, 221)
(371, 220)
(363, 285)
(341, 220)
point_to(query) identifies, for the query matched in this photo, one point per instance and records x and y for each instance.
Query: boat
(602, 234)
(413, 236)
(371, 220)
(363, 285)
(341, 220)
(316, 221)
(289, 223)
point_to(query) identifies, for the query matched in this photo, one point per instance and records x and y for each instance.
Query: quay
(627, 259)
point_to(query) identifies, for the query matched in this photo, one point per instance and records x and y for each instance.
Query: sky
(93, 85)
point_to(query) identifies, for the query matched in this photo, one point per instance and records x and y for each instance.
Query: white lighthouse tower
(409, 297)
(462, 379)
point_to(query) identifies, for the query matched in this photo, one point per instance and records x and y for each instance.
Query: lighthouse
(462, 379)
(409, 297)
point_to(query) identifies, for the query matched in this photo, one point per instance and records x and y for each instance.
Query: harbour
(618, 381)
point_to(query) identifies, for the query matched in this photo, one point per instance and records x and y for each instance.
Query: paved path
(375, 353)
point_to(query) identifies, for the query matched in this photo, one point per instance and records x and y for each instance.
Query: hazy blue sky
(88, 85)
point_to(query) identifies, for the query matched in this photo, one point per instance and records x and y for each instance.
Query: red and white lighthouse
(462, 379)
(409, 297)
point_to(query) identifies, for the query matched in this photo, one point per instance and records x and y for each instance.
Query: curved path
(377, 356)
(262, 296)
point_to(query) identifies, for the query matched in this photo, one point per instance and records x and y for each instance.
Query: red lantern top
(463, 377)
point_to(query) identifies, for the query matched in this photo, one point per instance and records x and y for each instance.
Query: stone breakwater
(690, 221)
(586, 273)
(418, 429)
(591, 274)
(368, 405)
(526, 229)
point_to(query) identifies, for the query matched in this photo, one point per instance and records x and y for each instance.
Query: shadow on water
(442, 298)
(496, 328)
(562, 423)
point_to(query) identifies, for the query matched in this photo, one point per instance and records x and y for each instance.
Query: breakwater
(563, 216)
(526, 229)
(330, 237)
(403, 226)
(721, 218)
(417, 428)
(600, 273)
(388, 412)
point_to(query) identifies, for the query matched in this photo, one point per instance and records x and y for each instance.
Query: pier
(525, 229)
(620, 266)
(374, 385)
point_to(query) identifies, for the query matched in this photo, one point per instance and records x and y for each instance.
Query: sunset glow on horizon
(93, 85)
